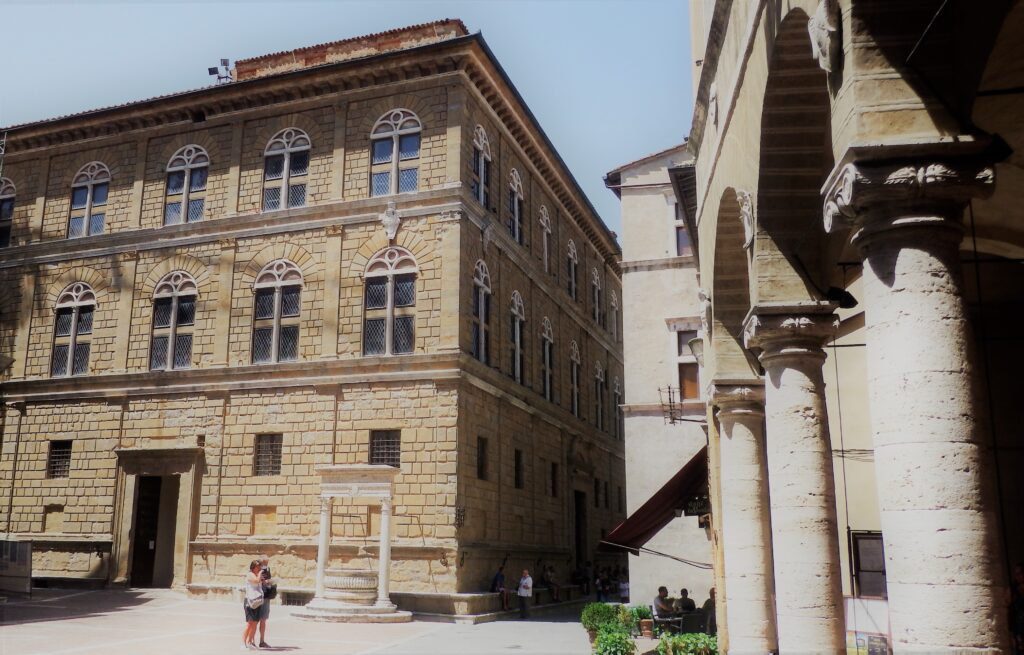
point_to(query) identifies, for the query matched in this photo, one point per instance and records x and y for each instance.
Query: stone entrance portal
(349, 594)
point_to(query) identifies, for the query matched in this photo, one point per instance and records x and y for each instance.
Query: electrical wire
(649, 551)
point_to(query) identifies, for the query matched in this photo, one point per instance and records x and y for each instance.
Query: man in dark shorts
(269, 592)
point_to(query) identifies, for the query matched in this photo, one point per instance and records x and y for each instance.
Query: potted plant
(696, 643)
(644, 618)
(595, 615)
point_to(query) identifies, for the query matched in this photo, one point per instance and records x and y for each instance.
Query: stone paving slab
(161, 622)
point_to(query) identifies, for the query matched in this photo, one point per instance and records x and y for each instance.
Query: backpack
(269, 590)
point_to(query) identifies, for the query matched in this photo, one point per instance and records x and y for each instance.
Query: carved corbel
(390, 219)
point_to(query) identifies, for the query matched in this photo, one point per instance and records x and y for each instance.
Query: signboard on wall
(16, 566)
(697, 506)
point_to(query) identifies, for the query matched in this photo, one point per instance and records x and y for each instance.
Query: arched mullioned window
(574, 377)
(599, 388)
(481, 312)
(276, 313)
(480, 177)
(547, 357)
(572, 260)
(517, 314)
(389, 320)
(72, 330)
(174, 316)
(515, 206)
(89, 190)
(286, 169)
(395, 153)
(595, 295)
(185, 194)
(619, 426)
(7, 193)
(545, 235)
(613, 306)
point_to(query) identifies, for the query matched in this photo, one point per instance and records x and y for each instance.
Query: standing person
(525, 592)
(498, 585)
(709, 611)
(252, 603)
(624, 589)
(269, 593)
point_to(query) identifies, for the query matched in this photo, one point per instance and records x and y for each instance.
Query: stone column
(384, 555)
(933, 457)
(323, 553)
(805, 540)
(746, 537)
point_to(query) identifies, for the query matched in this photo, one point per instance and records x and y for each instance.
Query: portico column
(933, 457)
(323, 553)
(746, 538)
(384, 572)
(805, 542)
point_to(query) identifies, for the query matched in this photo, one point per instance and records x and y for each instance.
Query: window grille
(58, 459)
(72, 328)
(515, 206)
(518, 318)
(572, 264)
(386, 447)
(545, 229)
(869, 564)
(286, 169)
(277, 308)
(395, 138)
(174, 312)
(267, 454)
(480, 175)
(389, 303)
(187, 173)
(481, 312)
(89, 190)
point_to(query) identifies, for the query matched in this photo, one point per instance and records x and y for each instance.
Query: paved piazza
(155, 622)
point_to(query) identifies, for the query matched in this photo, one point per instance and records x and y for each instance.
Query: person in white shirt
(525, 592)
(624, 590)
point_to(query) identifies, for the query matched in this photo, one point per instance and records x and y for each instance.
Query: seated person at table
(684, 603)
(662, 605)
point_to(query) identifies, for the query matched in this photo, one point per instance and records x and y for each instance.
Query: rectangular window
(261, 344)
(183, 351)
(869, 564)
(373, 336)
(298, 163)
(408, 180)
(482, 472)
(273, 167)
(386, 447)
(272, 198)
(519, 474)
(6, 209)
(296, 195)
(291, 301)
(264, 304)
(409, 146)
(158, 353)
(288, 349)
(380, 184)
(405, 290)
(59, 363)
(689, 385)
(382, 150)
(683, 338)
(162, 312)
(376, 294)
(683, 246)
(267, 454)
(80, 366)
(58, 460)
(554, 479)
(172, 213)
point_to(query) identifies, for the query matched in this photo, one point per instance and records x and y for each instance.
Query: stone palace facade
(361, 252)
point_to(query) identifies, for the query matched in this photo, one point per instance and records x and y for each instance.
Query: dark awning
(652, 516)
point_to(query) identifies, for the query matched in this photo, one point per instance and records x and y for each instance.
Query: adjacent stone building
(664, 410)
(859, 231)
(363, 251)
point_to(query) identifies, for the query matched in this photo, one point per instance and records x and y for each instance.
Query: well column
(933, 456)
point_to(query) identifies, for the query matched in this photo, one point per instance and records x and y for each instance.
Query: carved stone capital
(334, 230)
(738, 399)
(825, 30)
(746, 204)
(862, 193)
(797, 331)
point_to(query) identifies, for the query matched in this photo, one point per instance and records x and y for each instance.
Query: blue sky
(609, 81)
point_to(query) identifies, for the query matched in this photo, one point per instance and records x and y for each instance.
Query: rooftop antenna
(223, 76)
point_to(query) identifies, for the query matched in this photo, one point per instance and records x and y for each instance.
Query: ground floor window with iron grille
(386, 447)
(267, 454)
(58, 460)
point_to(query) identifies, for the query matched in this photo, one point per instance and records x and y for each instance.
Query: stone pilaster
(746, 536)
(805, 542)
(323, 553)
(384, 556)
(933, 458)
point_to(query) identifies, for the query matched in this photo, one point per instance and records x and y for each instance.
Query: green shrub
(696, 643)
(612, 639)
(641, 612)
(595, 615)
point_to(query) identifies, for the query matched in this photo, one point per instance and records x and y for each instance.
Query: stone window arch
(547, 356)
(480, 174)
(595, 295)
(574, 377)
(277, 312)
(174, 317)
(72, 332)
(286, 169)
(545, 235)
(613, 308)
(89, 190)
(517, 314)
(516, 198)
(7, 194)
(395, 153)
(389, 302)
(481, 312)
(572, 260)
(185, 191)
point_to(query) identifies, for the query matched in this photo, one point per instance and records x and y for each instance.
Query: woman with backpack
(252, 603)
